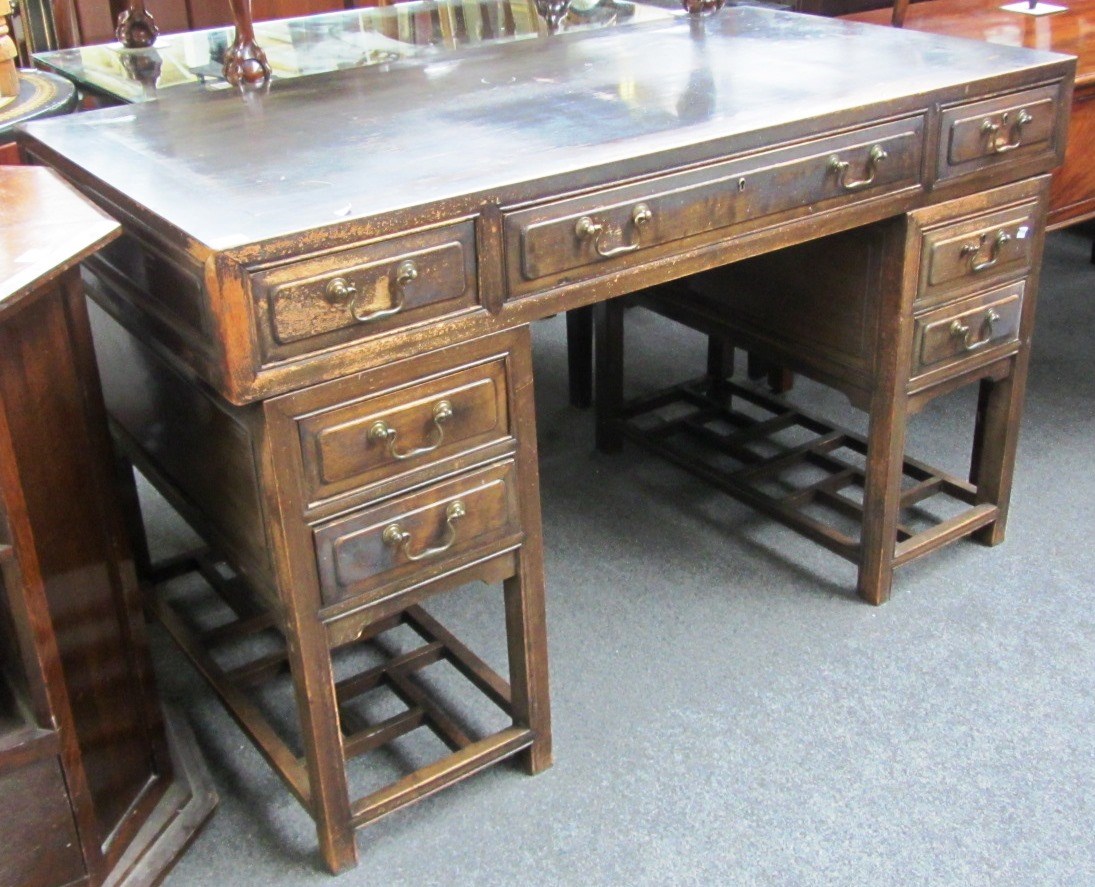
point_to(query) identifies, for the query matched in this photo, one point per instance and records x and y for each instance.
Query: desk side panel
(200, 450)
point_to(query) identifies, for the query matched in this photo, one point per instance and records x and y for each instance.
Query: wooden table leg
(580, 355)
(135, 28)
(888, 417)
(329, 795)
(999, 406)
(526, 619)
(245, 62)
(608, 376)
(528, 660)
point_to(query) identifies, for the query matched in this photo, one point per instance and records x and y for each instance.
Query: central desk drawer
(548, 240)
(419, 534)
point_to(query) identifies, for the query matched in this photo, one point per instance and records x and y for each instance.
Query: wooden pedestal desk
(96, 789)
(313, 336)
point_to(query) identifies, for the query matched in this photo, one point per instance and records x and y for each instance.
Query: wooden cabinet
(93, 789)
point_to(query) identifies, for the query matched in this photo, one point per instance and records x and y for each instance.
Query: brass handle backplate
(964, 331)
(396, 537)
(341, 291)
(973, 250)
(1010, 140)
(840, 167)
(382, 431)
(587, 229)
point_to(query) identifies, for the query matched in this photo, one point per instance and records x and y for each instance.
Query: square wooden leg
(999, 406)
(317, 707)
(580, 356)
(720, 363)
(609, 376)
(526, 634)
(881, 497)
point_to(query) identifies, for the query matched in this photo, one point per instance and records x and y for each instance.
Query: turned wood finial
(9, 72)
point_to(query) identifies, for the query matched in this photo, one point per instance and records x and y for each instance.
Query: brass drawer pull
(587, 229)
(876, 155)
(398, 538)
(973, 250)
(963, 331)
(382, 431)
(1001, 145)
(341, 291)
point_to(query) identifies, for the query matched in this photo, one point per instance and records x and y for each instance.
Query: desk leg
(720, 363)
(886, 428)
(527, 637)
(580, 355)
(314, 686)
(881, 496)
(526, 620)
(999, 406)
(609, 374)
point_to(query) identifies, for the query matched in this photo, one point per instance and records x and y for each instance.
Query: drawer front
(419, 534)
(1000, 130)
(366, 291)
(357, 444)
(954, 335)
(969, 253)
(586, 231)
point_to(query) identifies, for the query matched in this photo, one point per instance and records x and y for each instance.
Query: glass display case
(295, 47)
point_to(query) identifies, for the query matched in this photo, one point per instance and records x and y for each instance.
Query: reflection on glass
(327, 42)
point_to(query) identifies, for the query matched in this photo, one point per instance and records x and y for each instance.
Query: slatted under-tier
(801, 470)
(253, 629)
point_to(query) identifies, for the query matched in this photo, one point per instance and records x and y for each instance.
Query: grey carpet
(725, 710)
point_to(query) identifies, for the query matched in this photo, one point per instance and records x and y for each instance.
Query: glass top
(327, 42)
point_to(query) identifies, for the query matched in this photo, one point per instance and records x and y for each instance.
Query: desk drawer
(357, 444)
(954, 335)
(365, 291)
(583, 232)
(969, 253)
(379, 432)
(1005, 129)
(420, 534)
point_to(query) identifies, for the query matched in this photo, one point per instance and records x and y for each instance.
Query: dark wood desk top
(1071, 32)
(45, 228)
(487, 124)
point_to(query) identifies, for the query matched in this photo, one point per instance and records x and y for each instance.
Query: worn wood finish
(573, 171)
(898, 314)
(101, 802)
(1072, 195)
(160, 158)
(691, 204)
